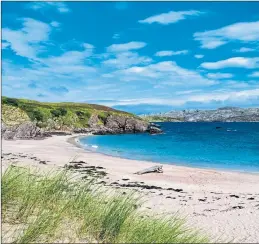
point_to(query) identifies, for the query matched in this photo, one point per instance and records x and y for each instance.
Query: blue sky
(138, 56)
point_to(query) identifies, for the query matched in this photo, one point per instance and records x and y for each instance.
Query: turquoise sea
(233, 146)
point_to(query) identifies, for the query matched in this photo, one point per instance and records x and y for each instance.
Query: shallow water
(234, 146)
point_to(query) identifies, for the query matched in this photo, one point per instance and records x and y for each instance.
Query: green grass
(57, 207)
(58, 116)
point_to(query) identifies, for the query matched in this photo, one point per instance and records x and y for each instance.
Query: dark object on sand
(154, 169)
(251, 198)
(234, 196)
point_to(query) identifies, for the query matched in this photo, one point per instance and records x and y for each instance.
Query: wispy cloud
(183, 99)
(126, 59)
(171, 53)
(5, 44)
(254, 74)
(242, 31)
(26, 42)
(198, 56)
(167, 73)
(55, 24)
(61, 7)
(170, 17)
(126, 46)
(245, 50)
(236, 62)
(219, 75)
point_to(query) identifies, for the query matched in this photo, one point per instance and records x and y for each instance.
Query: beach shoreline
(74, 140)
(220, 202)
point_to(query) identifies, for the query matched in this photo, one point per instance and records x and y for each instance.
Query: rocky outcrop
(154, 130)
(117, 124)
(93, 120)
(121, 124)
(113, 124)
(27, 130)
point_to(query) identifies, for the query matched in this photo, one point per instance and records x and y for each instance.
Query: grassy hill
(59, 116)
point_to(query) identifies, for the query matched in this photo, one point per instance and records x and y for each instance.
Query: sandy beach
(224, 204)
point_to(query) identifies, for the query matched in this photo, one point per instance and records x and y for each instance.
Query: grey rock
(121, 124)
(93, 121)
(117, 124)
(154, 130)
(3, 127)
(8, 135)
(28, 130)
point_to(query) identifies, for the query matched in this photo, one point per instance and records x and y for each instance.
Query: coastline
(74, 140)
(220, 202)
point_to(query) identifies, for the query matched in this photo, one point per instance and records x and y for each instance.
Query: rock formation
(117, 124)
(27, 130)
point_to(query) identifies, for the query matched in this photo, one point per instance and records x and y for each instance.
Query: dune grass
(55, 207)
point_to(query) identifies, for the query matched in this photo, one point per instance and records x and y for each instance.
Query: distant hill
(58, 116)
(224, 114)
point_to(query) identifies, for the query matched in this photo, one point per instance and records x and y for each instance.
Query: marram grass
(55, 208)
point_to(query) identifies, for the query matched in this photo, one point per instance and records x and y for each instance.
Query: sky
(142, 57)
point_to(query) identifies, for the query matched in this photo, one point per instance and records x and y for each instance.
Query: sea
(221, 146)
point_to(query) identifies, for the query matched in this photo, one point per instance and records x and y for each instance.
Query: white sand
(219, 214)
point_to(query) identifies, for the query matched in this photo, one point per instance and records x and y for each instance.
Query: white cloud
(238, 62)
(182, 99)
(55, 24)
(5, 45)
(198, 56)
(244, 50)
(170, 17)
(219, 75)
(242, 31)
(171, 53)
(126, 59)
(61, 7)
(27, 41)
(167, 73)
(126, 46)
(254, 74)
(70, 57)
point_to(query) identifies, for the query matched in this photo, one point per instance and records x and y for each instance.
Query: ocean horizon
(218, 145)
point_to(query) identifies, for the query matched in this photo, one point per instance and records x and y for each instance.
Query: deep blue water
(234, 147)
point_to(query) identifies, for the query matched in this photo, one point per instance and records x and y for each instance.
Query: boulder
(116, 123)
(154, 130)
(136, 125)
(8, 135)
(28, 130)
(123, 124)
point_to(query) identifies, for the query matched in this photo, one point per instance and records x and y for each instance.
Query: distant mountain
(224, 114)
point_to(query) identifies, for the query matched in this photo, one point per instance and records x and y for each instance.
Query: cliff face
(225, 114)
(28, 119)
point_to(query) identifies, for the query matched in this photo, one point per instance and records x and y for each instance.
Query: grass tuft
(56, 207)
